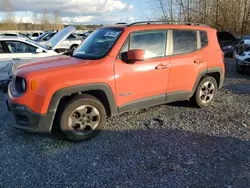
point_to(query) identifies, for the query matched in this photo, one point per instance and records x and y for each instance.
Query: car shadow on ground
(158, 157)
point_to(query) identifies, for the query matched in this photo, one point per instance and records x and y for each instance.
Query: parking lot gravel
(174, 145)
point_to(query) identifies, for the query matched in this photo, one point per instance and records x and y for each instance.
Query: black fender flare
(58, 95)
(209, 71)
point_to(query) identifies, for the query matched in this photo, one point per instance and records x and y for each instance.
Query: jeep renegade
(117, 69)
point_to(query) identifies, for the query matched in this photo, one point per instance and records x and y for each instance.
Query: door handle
(161, 66)
(198, 61)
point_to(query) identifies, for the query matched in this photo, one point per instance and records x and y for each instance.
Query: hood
(58, 38)
(243, 56)
(49, 63)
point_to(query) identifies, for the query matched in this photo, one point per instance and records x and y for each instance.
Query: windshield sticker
(111, 34)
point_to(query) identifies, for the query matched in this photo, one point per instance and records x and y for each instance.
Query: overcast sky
(80, 11)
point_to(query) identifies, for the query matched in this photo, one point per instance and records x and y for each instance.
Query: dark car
(242, 45)
(227, 42)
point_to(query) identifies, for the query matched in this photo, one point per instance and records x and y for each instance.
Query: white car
(69, 40)
(243, 62)
(17, 50)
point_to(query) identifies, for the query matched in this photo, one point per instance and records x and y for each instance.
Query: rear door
(187, 61)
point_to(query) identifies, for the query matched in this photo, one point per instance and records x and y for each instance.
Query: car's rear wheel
(205, 92)
(83, 118)
(239, 68)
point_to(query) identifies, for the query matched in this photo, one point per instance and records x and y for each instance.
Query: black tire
(197, 98)
(239, 68)
(76, 102)
(73, 47)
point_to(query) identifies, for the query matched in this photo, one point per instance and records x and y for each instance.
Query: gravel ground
(174, 145)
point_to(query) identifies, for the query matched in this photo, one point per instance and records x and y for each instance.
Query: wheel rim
(207, 92)
(84, 119)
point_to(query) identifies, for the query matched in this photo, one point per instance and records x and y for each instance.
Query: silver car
(70, 40)
(16, 50)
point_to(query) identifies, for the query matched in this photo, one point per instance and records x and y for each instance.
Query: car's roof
(12, 38)
(159, 26)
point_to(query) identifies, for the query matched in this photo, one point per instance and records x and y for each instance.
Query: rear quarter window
(204, 39)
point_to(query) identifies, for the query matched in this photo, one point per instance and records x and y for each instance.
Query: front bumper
(243, 63)
(29, 121)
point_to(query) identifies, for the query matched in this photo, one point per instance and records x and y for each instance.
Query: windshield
(98, 44)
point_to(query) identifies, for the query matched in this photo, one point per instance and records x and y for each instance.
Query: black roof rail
(121, 23)
(167, 22)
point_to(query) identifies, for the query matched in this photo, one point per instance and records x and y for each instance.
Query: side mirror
(39, 50)
(132, 56)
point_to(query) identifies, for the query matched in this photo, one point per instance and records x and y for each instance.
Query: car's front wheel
(83, 118)
(205, 92)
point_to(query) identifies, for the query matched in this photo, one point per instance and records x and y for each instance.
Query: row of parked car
(236, 47)
(18, 48)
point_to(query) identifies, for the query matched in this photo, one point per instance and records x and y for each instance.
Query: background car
(85, 35)
(242, 45)
(69, 41)
(227, 43)
(14, 35)
(17, 50)
(34, 35)
(45, 37)
(243, 61)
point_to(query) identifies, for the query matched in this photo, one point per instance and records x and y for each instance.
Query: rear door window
(184, 41)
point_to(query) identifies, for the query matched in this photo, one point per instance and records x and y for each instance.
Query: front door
(143, 82)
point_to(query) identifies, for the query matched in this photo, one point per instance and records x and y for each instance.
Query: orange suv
(117, 69)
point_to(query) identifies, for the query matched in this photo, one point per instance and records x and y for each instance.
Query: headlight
(19, 85)
(23, 84)
(227, 47)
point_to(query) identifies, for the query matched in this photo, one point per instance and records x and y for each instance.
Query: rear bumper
(27, 120)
